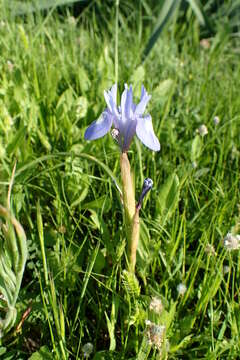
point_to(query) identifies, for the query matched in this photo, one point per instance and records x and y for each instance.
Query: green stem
(116, 41)
(41, 238)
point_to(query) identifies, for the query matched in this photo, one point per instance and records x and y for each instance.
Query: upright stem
(131, 213)
(128, 189)
(116, 41)
(134, 240)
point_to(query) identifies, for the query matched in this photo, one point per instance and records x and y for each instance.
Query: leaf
(196, 9)
(2, 350)
(99, 263)
(20, 8)
(168, 197)
(102, 202)
(86, 278)
(200, 13)
(44, 140)
(163, 92)
(143, 250)
(84, 80)
(17, 140)
(168, 9)
(42, 354)
(163, 88)
(138, 77)
(196, 148)
(81, 104)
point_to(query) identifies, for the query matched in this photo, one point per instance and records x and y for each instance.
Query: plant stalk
(131, 213)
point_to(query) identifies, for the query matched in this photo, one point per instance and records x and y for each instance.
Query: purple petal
(126, 108)
(129, 102)
(145, 133)
(111, 99)
(140, 108)
(130, 131)
(124, 99)
(99, 127)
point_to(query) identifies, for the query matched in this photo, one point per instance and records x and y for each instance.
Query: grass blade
(20, 8)
(167, 11)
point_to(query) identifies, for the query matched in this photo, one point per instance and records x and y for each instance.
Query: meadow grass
(54, 69)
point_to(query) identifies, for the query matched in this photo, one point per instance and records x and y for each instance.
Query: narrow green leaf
(20, 8)
(196, 9)
(168, 9)
(168, 197)
(87, 275)
(196, 148)
(42, 354)
(17, 140)
(200, 13)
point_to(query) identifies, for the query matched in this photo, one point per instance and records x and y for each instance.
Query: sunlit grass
(53, 73)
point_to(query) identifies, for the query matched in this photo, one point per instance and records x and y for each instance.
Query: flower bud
(147, 185)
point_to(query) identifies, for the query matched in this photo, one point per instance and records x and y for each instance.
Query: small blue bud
(147, 185)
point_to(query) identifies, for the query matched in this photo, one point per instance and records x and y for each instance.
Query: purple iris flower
(127, 119)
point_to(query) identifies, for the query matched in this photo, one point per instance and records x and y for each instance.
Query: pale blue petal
(145, 133)
(111, 99)
(123, 100)
(140, 108)
(99, 127)
(129, 103)
(130, 131)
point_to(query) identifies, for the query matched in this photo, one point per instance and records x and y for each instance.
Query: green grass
(53, 71)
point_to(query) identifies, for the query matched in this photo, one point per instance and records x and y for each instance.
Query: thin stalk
(116, 41)
(134, 240)
(41, 238)
(128, 192)
(131, 213)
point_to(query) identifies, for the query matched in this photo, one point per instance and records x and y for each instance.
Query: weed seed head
(202, 130)
(209, 249)
(155, 334)
(87, 349)
(231, 242)
(181, 289)
(156, 305)
(216, 120)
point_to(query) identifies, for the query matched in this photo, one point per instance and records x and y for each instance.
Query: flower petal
(111, 99)
(129, 102)
(140, 108)
(99, 127)
(130, 131)
(145, 133)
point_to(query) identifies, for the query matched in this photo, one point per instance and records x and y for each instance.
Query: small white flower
(202, 130)
(155, 334)
(194, 164)
(156, 305)
(71, 20)
(10, 65)
(209, 249)
(205, 43)
(226, 269)
(181, 289)
(87, 349)
(216, 120)
(231, 242)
